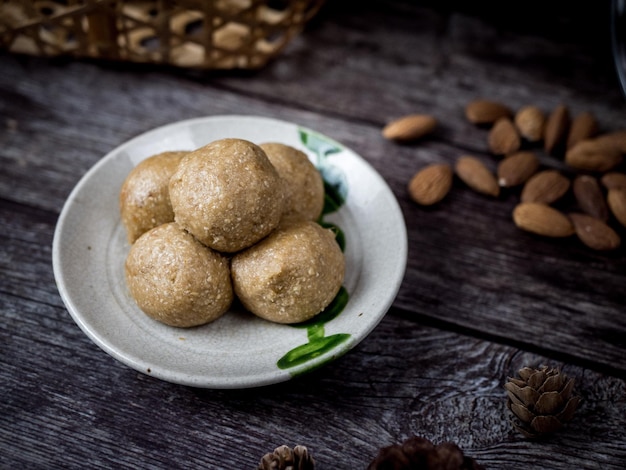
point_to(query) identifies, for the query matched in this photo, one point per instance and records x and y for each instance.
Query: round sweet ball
(304, 187)
(144, 196)
(291, 275)
(227, 194)
(177, 280)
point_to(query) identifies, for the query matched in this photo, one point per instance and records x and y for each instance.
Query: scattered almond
(517, 168)
(486, 112)
(503, 137)
(614, 180)
(615, 139)
(546, 187)
(617, 202)
(594, 155)
(542, 219)
(431, 184)
(590, 198)
(594, 233)
(557, 126)
(411, 127)
(530, 122)
(585, 150)
(477, 176)
(584, 126)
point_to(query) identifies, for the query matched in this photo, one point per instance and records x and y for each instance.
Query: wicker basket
(205, 34)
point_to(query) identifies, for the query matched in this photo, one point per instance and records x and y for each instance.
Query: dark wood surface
(479, 300)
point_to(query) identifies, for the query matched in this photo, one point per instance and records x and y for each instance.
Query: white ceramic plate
(238, 350)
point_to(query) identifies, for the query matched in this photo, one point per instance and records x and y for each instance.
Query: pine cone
(284, 458)
(417, 453)
(542, 400)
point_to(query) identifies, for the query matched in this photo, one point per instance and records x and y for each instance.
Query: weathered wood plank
(404, 380)
(436, 60)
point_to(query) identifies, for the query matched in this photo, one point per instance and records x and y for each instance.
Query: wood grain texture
(480, 298)
(444, 386)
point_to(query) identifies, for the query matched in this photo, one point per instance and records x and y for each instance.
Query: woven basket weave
(206, 34)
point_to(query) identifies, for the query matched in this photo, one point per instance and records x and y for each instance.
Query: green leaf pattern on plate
(335, 193)
(310, 350)
(335, 184)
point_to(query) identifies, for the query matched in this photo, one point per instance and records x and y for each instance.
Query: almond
(503, 137)
(584, 126)
(557, 126)
(411, 127)
(530, 122)
(431, 184)
(615, 139)
(594, 233)
(590, 198)
(517, 168)
(594, 155)
(542, 220)
(546, 187)
(617, 202)
(486, 112)
(614, 180)
(477, 176)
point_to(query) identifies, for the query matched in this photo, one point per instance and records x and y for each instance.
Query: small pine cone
(284, 458)
(541, 399)
(417, 453)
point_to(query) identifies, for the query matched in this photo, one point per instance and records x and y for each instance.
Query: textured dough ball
(144, 197)
(227, 194)
(304, 187)
(177, 280)
(291, 275)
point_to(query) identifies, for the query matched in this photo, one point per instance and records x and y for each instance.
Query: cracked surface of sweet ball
(144, 196)
(303, 184)
(227, 194)
(291, 275)
(177, 280)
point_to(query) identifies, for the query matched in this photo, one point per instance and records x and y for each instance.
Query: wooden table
(480, 298)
